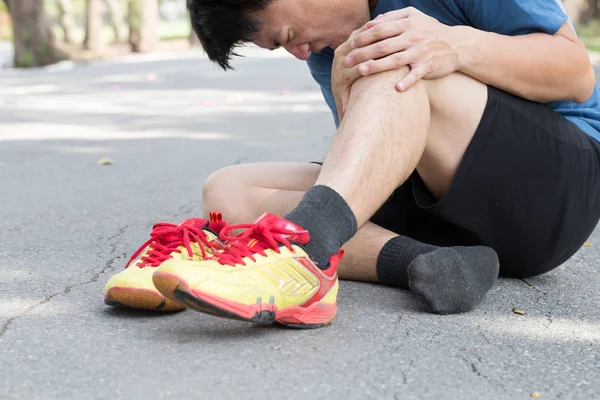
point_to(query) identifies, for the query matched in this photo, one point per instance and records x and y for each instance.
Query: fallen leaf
(466, 348)
(105, 161)
(517, 311)
(536, 395)
(588, 244)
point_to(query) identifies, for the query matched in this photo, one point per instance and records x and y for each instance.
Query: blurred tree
(117, 16)
(66, 19)
(93, 26)
(582, 11)
(34, 40)
(143, 20)
(592, 12)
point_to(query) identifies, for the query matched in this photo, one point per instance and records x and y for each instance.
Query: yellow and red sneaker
(192, 239)
(262, 276)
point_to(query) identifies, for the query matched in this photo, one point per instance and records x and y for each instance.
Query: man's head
(300, 26)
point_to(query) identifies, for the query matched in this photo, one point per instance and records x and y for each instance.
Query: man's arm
(539, 61)
(537, 66)
(320, 65)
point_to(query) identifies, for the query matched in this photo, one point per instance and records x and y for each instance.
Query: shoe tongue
(197, 223)
(210, 228)
(297, 233)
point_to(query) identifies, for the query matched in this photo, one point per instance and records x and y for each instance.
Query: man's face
(302, 26)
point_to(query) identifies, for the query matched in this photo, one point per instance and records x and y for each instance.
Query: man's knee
(377, 94)
(456, 91)
(381, 83)
(218, 188)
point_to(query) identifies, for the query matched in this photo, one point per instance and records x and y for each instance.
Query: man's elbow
(584, 86)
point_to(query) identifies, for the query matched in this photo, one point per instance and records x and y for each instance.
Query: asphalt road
(67, 224)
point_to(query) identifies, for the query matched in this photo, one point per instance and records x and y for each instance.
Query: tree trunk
(143, 19)
(66, 19)
(93, 26)
(592, 11)
(33, 37)
(117, 18)
(576, 9)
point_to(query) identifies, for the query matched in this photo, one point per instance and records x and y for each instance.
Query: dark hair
(223, 25)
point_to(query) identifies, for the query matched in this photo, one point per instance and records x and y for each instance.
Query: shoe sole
(141, 299)
(317, 315)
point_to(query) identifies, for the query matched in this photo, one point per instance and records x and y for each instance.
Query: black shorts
(528, 187)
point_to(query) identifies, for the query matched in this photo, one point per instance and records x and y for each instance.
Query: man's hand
(400, 38)
(342, 76)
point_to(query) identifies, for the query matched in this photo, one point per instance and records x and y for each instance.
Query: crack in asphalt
(404, 380)
(489, 378)
(474, 369)
(185, 209)
(550, 321)
(25, 312)
(108, 265)
(527, 283)
(487, 339)
(533, 286)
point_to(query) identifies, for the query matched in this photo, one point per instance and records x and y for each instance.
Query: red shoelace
(255, 240)
(165, 238)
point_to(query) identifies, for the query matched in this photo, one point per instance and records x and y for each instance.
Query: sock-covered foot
(453, 279)
(396, 256)
(330, 222)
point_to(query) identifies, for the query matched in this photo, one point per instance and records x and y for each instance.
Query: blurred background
(42, 32)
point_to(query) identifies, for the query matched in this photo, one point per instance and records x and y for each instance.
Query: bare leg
(383, 138)
(385, 135)
(278, 188)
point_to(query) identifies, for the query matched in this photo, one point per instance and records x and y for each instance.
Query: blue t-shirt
(507, 17)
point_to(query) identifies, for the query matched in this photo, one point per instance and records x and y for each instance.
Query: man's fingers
(380, 32)
(394, 61)
(377, 50)
(410, 80)
(343, 85)
(343, 49)
(393, 15)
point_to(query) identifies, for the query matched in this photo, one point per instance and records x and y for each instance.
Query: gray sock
(453, 279)
(396, 256)
(329, 221)
(448, 279)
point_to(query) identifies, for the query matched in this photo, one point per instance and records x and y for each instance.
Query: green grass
(590, 35)
(592, 44)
